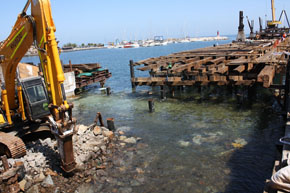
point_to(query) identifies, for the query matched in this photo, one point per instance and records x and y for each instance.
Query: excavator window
(36, 97)
(36, 93)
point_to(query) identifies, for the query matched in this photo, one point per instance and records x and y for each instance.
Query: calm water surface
(193, 145)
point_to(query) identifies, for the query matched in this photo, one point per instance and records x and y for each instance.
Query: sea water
(194, 143)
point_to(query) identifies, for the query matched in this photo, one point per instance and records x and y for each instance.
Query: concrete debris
(47, 182)
(130, 140)
(40, 169)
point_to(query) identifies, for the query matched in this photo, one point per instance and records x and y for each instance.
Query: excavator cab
(35, 97)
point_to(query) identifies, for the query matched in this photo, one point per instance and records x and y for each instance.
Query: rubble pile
(94, 148)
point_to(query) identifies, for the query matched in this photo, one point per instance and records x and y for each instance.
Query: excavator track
(12, 146)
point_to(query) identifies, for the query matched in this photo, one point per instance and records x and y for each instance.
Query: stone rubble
(92, 147)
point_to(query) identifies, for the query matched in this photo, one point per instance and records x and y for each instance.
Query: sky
(94, 21)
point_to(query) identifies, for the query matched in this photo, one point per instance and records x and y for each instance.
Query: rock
(131, 140)
(140, 171)
(97, 130)
(122, 137)
(108, 134)
(33, 189)
(47, 182)
(22, 185)
(40, 177)
(82, 129)
(183, 143)
(103, 148)
(124, 129)
(197, 139)
(47, 142)
(126, 190)
(50, 172)
(121, 132)
(85, 188)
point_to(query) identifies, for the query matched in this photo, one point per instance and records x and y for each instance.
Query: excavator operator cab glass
(36, 93)
(36, 97)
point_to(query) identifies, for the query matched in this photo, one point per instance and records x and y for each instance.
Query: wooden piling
(108, 89)
(111, 124)
(151, 105)
(100, 119)
(132, 73)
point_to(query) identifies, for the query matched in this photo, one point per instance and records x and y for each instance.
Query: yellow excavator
(37, 103)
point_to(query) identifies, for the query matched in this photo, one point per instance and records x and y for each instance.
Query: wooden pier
(87, 74)
(237, 64)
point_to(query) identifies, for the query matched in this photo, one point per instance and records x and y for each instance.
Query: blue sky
(105, 20)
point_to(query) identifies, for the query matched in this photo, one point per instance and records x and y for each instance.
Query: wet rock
(97, 130)
(121, 132)
(183, 143)
(197, 139)
(241, 141)
(126, 190)
(122, 137)
(47, 182)
(124, 129)
(131, 140)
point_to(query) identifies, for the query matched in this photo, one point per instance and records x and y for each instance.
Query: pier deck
(239, 63)
(87, 74)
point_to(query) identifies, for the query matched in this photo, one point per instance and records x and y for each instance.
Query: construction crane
(34, 103)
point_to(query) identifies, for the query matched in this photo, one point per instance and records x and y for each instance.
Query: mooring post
(70, 65)
(151, 105)
(100, 119)
(108, 89)
(111, 124)
(132, 72)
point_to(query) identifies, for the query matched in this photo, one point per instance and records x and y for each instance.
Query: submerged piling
(108, 89)
(111, 124)
(151, 105)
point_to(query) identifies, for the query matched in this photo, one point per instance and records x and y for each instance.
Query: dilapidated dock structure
(236, 64)
(86, 74)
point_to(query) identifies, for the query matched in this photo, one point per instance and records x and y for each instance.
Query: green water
(190, 141)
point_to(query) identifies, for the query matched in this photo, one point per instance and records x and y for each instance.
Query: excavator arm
(38, 29)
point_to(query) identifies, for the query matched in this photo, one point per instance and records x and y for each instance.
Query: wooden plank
(266, 75)
(240, 68)
(201, 78)
(236, 78)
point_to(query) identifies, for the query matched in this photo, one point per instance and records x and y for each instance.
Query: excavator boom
(38, 29)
